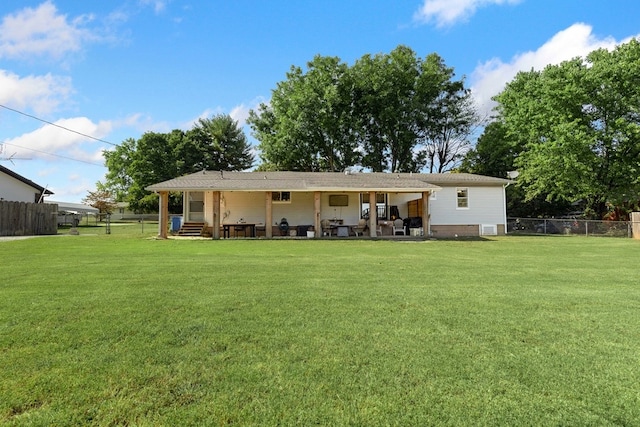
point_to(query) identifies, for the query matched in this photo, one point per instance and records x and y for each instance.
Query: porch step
(193, 229)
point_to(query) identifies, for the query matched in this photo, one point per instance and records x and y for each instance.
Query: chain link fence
(569, 226)
(133, 225)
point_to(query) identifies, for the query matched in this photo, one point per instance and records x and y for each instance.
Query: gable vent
(488, 230)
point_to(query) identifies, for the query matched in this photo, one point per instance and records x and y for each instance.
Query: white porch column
(163, 218)
(426, 218)
(268, 209)
(317, 226)
(373, 214)
(215, 232)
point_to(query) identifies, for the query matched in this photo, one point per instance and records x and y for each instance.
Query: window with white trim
(281, 197)
(462, 198)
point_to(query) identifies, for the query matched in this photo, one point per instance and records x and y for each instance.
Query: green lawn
(123, 329)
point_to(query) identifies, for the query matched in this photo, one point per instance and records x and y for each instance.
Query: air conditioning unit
(488, 230)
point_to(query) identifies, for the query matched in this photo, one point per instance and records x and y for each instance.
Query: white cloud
(43, 173)
(42, 94)
(158, 5)
(42, 31)
(50, 139)
(206, 114)
(240, 114)
(489, 78)
(448, 12)
(74, 189)
(141, 123)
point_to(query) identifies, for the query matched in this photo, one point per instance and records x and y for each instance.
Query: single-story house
(276, 203)
(123, 212)
(16, 188)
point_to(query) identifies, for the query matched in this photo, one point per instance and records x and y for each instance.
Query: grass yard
(123, 329)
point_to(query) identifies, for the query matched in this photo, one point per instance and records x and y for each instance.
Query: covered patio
(273, 204)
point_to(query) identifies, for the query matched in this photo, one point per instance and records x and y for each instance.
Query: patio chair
(398, 227)
(238, 228)
(359, 229)
(325, 224)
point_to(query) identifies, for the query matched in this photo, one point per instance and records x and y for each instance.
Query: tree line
(215, 143)
(391, 112)
(388, 112)
(572, 131)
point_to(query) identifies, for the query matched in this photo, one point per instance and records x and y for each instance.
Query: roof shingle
(319, 181)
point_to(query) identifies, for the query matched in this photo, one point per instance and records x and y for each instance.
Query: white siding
(486, 206)
(349, 214)
(13, 190)
(250, 206)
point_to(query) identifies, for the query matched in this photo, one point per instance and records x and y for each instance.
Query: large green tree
(448, 116)
(135, 164)
(387, 112)
(305, 125)
(217, 143)
(495, 155)
(579, 125)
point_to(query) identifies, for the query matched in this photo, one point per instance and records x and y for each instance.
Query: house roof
(73, 208)
(449, 179)
(318, 181)
(24, 180)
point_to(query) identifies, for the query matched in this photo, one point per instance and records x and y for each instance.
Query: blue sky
(115, 69)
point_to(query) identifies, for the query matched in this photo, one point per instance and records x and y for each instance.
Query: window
(195, 211)
(463, 198)
(338, 200)
(281, 197)
(381, 205)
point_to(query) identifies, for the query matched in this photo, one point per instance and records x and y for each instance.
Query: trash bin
(302, 229)
(176, 223)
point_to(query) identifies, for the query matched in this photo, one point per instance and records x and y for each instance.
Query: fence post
(635, 224)
(586, 228)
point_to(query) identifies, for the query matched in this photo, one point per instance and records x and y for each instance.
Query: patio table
(226, 229)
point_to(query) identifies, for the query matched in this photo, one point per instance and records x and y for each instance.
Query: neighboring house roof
(24, 180)
(74, 208)
(319, 181)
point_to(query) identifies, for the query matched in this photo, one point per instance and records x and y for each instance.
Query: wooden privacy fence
(27, 219)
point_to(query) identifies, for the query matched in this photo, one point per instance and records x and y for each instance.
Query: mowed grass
(122, 329)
